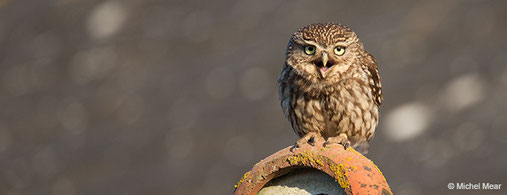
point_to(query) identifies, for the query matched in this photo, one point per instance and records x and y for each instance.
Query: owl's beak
(324, 68)
(325, 58)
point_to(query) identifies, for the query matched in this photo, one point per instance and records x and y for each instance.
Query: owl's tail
(362, 147)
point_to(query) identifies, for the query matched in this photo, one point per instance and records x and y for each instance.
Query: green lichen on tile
(242, 179)
(308, 158)
(305, 157)
(340, 175)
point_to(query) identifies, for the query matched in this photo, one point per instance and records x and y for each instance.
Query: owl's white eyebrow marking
(314, 44)
(343, 44)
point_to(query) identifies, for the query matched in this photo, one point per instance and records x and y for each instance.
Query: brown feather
(345, 100)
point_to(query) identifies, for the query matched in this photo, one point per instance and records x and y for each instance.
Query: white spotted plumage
(343, 100)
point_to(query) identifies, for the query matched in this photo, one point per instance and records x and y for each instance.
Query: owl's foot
(310, 138)
(341, 139)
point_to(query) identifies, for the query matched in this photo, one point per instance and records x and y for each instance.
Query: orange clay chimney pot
(354, 173)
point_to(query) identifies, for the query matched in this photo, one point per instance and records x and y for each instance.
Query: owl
(330, 87)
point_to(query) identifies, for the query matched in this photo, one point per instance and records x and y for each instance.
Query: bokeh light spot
(106, 19)
(463, 92)
(407, 121)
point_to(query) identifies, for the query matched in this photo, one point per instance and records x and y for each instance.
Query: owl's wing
(286, 97)
(375, 82)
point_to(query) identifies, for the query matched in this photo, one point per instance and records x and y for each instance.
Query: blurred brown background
(180, 97)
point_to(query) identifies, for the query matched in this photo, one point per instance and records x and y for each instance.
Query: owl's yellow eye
(309, 49)
(339, 50)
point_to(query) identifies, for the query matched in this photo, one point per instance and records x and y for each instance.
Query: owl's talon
(346, 145)
(295, 146)
(311, 141)
(341, 139)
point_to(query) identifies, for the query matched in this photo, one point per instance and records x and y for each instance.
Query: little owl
(330, 87)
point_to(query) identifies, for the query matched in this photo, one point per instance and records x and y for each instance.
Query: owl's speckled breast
(330, 85)
(346, 108)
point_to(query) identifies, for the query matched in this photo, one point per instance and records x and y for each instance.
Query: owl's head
(323, 51)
